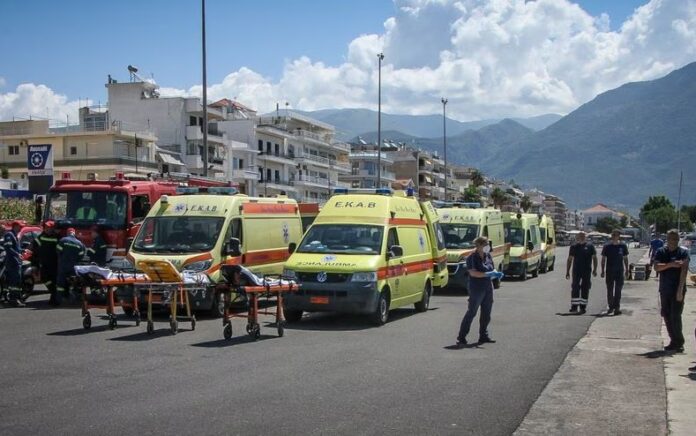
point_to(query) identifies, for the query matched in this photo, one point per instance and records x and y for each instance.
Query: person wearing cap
(615, 259)
(70, 252)
(582, 257)
(45, 258)
(13, 263)
(97, 251)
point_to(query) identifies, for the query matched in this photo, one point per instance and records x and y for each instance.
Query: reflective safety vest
(86, 213)
(70, 252)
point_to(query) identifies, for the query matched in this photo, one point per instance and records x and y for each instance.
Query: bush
(16, 209)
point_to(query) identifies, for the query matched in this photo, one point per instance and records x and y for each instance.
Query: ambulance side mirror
(395, 251)
(550, 241)
(292, 247)
(530, 246)
(233, 247)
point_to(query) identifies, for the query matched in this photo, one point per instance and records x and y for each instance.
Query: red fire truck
(115, 206)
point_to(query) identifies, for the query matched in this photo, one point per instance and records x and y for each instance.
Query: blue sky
(498, 59)
(72, 45)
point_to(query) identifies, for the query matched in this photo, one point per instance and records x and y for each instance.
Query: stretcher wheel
(227, 331)
(112, 323)
(193, 322)
(86, 322)
(173, 326)
(254, 331)
(281, 329)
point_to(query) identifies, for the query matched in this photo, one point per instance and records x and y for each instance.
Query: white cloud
(491, 58)
(2, 82)
(29, 100)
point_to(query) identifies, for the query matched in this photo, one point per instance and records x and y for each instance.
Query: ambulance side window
(485, 231)
(392, 238)
(234, 230)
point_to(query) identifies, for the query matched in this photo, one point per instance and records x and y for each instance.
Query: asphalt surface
(329, 374)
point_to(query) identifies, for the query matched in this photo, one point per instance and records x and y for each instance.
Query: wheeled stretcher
(239, 281)
(168, 286)
(98, 286)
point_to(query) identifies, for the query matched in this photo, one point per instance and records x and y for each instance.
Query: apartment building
(556, 208)
(363, 160)
(419, 166)
(297, 155)
(98, 151)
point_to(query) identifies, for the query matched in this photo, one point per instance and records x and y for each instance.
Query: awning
(169, 159)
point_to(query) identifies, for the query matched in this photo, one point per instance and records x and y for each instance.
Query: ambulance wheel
(381, 314)
(523, 277)
(112, 323)
(535, 273)
(150, 327)
(424, 304)
(254, 331)
(174, 326)
(293, 315)
(227, 331)
(193, 323)
(281, 329)
(86, 322)
(217, 309)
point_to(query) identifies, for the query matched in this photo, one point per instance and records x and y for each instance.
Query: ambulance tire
(424, 304)
(293, 316)
(544, 266)
(217, 308)
(535, 273)
(523, 277)
(381, 314)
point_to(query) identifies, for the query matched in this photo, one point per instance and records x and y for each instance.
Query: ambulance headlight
(289, 274)
(369, 277)
(198, 266)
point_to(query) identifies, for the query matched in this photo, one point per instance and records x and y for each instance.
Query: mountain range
(619, 148)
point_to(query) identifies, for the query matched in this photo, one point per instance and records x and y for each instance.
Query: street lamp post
(380, 57)
(205, 93)
(136, 153)
(444, 137)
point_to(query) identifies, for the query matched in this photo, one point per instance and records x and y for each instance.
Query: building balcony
(276, 184)
(315, 138)
(370, 156)
(277, 157)
(193, 161)
(360, 173)
(244, 175)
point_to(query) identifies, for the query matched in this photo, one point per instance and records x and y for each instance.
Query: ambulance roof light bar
(442, 204)
(379, 191)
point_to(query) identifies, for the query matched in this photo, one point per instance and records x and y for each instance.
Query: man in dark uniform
(672, 262)
(97, 252)
(481, 271)
(583, 259)
(615, 258)
(13, 263)
(70, 252)
(45, 258)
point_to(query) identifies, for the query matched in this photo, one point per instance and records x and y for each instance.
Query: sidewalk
(612, 382)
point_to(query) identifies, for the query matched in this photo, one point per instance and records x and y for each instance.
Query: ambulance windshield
(342, 238)
(460, 235)
(187, 234)
(517, 236)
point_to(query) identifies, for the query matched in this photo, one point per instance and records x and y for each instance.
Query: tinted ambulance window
(392, 238)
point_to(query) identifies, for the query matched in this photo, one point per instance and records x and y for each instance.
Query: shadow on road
(80, 331)
(145, 336)
(462, 347)
(656, 354)
(324, 321)
(451, 292)
(235, 340)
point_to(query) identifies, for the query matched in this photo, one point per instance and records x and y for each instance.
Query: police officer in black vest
(672, 262)
(583, 259)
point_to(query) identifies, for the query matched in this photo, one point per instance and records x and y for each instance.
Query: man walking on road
(615, 259)
(583, 259)
(672, 263)
(481, 271)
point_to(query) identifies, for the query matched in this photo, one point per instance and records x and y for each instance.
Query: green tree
(4, 172)
(472, 195)
(689, 211)
(526, 203)
(607, 224)
(624, 221)
(656, 202)
(498, 197)
(477, 178)
(664, 218)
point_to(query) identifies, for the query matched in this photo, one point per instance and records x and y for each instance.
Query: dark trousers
(615, 284)
(671, 313)
(484, 300)
(13, 280)
(580, 288)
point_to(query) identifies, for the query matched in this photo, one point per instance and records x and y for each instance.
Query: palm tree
(477, 178)
(526, 203)
(472, 195)
(498, 197)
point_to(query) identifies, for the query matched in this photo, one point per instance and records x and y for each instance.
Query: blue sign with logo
(40, 160)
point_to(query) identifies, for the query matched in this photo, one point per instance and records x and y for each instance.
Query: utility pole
(380, 57)
(444, 137)
(136, 153)
(205, 94)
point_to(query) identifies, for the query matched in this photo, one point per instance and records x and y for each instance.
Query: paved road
(329, 374)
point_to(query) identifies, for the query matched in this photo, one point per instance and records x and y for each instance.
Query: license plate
(319, 300)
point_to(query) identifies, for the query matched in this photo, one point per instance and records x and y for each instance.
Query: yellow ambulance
(461, 226)
(547, 234)
(368, 253)
(200, 232)
(525, 246)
